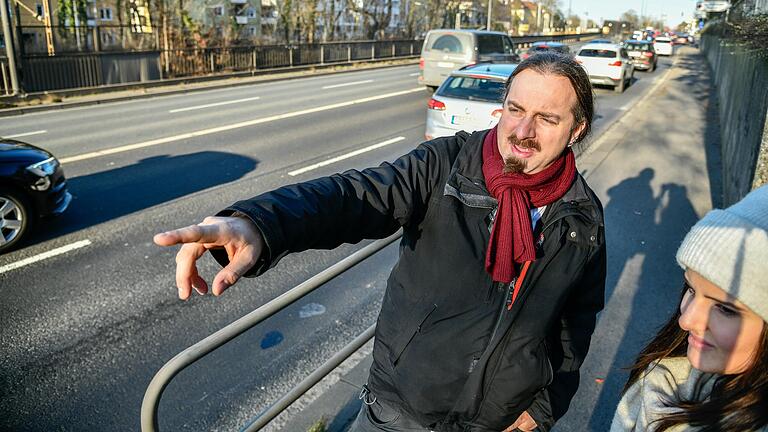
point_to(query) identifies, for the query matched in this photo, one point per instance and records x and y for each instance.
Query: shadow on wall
(107, 195)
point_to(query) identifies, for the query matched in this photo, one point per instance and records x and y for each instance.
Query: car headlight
(43, 169)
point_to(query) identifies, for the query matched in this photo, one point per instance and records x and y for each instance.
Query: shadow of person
(643, 233)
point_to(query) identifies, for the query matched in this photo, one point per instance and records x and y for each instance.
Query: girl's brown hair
(738, 403)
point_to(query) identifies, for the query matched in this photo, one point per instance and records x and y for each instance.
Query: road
(82, 333)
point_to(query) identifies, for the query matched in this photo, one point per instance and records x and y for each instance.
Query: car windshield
(638, 47)
(473, 88)
(601, 53)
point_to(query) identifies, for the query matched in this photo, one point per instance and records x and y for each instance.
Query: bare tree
(631, 17)
(376, 15)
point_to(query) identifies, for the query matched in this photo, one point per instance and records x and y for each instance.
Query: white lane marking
(224, 128)
(26, 134)
(345, 156)
(44, 255)
(213, 104)
(347, 84)
(414, 74)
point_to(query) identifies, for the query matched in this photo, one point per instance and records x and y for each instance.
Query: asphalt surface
(82, 333)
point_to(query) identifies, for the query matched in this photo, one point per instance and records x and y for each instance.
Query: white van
(447, 50)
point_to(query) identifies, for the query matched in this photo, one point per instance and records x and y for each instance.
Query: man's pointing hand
(238, 236)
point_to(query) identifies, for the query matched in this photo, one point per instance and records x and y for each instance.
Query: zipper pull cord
(518, 284)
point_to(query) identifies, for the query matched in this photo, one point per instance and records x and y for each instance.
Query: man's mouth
(521, 151)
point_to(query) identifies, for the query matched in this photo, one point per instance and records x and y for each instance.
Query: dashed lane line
(45, 255)
(345, 156)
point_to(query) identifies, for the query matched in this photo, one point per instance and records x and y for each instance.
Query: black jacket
(448, 351)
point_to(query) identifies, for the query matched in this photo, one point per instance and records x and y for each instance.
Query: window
(39, 9)
(251, 31)
(601, 53)
(489, 44)
(105, 14)
(218, 10)
(476, 89)
(251, 13)
(509, 47)
(447, 43)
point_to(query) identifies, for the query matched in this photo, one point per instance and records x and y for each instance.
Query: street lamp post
(490, 10)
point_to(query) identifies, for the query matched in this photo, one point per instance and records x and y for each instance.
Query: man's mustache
(528, 143)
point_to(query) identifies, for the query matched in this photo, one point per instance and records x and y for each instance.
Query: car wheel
(619, 88)
(14, 219)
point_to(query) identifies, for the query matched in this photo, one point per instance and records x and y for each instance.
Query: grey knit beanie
(730, 249)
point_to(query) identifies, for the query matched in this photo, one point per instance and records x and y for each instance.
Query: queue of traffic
(467, 69)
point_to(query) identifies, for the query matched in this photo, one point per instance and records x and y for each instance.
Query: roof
(547, 43)
(466, 31)
(603, 46)
(491, 70)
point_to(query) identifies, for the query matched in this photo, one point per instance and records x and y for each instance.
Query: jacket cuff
(541, 411)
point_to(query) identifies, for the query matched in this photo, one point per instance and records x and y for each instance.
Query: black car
(32, 185)
(642, 53)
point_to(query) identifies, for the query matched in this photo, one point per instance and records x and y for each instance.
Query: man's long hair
(550, 63)
(737, 403)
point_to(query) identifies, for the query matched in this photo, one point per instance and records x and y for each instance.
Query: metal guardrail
(151, 402)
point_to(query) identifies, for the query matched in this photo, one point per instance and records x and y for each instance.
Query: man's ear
(576, 132)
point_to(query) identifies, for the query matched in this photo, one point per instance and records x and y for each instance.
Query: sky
(612, 9)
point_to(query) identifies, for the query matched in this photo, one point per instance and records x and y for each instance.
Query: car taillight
(648, 54)
(616, 63)
(421, 63)
(496, 113)
(435, 105)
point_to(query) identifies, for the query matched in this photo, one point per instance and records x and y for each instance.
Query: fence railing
(41, 72)
(151, 402)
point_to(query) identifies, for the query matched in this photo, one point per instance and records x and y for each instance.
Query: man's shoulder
(453, 144)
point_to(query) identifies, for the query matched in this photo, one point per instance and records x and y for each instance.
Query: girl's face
(723, 333)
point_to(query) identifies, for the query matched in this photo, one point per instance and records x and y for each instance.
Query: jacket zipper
(502, 310)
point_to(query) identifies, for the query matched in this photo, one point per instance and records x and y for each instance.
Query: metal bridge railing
(151, 402)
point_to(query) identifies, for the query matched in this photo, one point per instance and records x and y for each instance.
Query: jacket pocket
(399, 347)
(521, 373)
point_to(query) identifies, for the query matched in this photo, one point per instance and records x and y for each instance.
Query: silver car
(470, 99)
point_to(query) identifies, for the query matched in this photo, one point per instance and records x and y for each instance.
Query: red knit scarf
(512, 235)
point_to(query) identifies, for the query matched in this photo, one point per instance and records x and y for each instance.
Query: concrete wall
(741, 81)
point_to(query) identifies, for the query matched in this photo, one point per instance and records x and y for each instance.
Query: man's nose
(694, 316)
(525, 128)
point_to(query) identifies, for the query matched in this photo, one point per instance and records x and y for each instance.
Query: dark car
(642, 53)
(32, 185)
(538, 47)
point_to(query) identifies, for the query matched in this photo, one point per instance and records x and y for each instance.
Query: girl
(707, 368)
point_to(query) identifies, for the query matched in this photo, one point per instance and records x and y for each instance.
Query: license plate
(457, 120)
(445, 64)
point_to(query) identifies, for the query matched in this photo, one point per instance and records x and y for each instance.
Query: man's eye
(549, 121)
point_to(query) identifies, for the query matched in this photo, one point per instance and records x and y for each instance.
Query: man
(488, 314)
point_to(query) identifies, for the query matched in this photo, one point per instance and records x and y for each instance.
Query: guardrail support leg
(322, 54)
(349, 53)
(290, 53)
(373, 51)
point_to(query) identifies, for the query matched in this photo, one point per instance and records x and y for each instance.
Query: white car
(663, 46)
(470, 100)
(607, 64)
